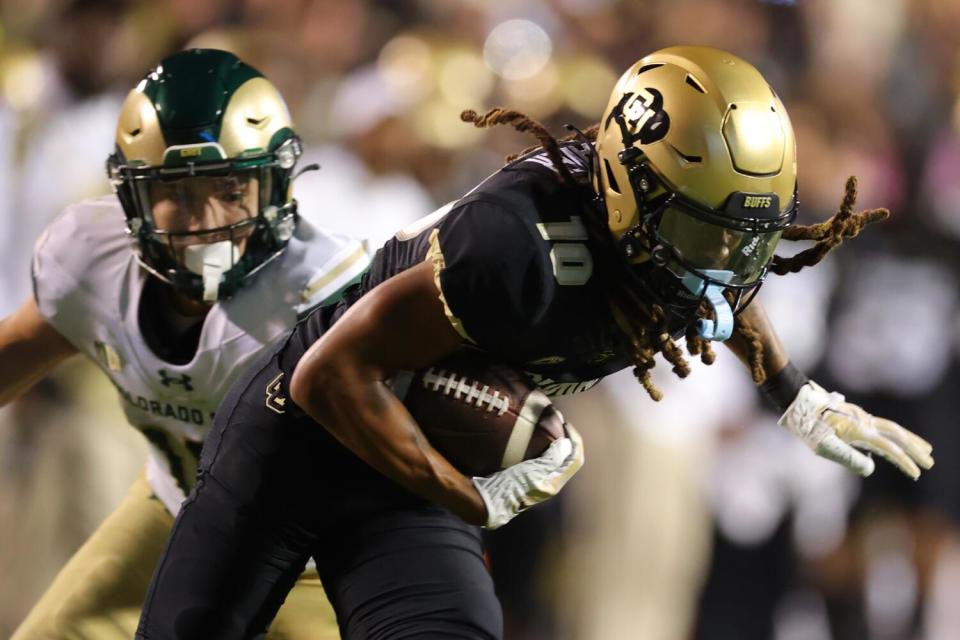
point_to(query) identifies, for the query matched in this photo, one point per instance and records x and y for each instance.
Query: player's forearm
(29, 349)
(775, 357)
(370, 421)
(399, 325)
(13, 385)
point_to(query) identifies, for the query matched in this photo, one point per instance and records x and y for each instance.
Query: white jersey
(88, 284)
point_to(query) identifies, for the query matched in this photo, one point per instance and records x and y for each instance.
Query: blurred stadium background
(694, 518)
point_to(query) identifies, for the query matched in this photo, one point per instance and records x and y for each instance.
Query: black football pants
(274, 489)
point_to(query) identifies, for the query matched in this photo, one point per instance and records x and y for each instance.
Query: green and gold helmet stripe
(201, 106)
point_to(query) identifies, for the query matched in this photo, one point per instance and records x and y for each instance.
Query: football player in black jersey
(574, 261)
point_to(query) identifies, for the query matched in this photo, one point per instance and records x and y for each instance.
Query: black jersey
(516, 273)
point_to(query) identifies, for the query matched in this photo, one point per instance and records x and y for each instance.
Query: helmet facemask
(703, 255)
(207, 228)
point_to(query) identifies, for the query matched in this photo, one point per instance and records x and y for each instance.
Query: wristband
(780, 389)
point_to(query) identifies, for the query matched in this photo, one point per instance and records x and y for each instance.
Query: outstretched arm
(29, 349)
(833, 428)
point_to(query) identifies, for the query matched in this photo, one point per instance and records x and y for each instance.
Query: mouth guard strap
(212, 274)
(210, 262)
(721, 328)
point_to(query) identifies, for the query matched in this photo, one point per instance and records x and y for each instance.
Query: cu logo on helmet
(645, 117)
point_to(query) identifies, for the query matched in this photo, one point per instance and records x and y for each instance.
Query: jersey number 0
(571, 259)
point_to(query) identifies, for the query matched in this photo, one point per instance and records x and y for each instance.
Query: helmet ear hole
(611, 179)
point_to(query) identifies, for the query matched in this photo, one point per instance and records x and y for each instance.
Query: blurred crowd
(696, 517)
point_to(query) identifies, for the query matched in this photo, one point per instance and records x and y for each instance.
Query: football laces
(465, 390)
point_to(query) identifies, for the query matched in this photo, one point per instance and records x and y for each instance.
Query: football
(482, 415)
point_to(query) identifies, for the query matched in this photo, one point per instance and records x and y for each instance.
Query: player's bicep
(401, 324)
(29, 349)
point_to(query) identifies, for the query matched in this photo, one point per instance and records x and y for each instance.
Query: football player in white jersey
(221, 267)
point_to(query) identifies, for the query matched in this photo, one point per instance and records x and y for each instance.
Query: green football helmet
(204, 159)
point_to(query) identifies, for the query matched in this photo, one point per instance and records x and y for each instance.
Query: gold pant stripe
(99, 592)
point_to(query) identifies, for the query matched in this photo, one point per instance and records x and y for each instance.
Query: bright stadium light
(517, 49)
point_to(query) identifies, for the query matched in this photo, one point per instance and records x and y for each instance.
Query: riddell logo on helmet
(750, 248)
(757, 202)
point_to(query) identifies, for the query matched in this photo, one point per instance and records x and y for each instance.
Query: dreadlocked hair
(829, 234)
(751, 336)
(645, 325)
(523, 124)
(698, 346)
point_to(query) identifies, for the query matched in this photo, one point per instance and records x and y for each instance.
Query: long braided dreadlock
(829, 234)
(645, 324)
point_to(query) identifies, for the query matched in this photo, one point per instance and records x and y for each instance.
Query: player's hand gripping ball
(483, 416)
(493, 423)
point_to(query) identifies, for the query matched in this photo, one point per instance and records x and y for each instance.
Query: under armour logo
(275, 401)
(166, 380)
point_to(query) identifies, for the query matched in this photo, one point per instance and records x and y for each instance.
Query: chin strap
(721, 327)
(210, 262)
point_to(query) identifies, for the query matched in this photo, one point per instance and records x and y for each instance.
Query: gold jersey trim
(435, 255)
(323, 280)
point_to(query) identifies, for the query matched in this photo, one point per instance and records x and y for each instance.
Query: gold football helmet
(697, 171)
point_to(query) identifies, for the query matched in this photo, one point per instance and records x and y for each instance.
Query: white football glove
(832, 428)
(517, 488)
